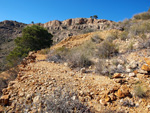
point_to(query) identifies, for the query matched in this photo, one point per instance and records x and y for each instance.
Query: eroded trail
(42, 78)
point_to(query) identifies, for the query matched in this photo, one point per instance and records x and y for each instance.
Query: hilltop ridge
(76, 26)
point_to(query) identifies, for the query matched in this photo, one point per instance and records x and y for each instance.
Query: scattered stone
(1, 109)
(132, 75)
(147, 60)
(65, 64)
(11, 83)
(148, 107)
(112, 97)
(137, 105)
(4, 100)
(133, 65)
(135, 72)
(121, 81)
(123, 92)
(117, 75)
(128, 70)
(113, 89)
(21, 94)
(74, 98)
(120, 67)
(36, 99)
(145, 67)
(103, 102)
(127, 102)
(107, 98)
(83, 70)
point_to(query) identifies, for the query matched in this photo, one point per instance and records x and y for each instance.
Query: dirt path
(37, 82)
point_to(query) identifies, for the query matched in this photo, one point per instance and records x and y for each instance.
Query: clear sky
(46, 10)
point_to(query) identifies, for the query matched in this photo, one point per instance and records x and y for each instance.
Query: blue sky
(46, 10)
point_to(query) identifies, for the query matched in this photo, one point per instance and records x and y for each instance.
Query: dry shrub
(44, 51)
(107, 49)
(58, 55)
(76, 57)
(140, 90)
(140, 28)
(111, 36)
(96, 38)
(80, 56)
(123, 35)
(101, 67)
(142, 16)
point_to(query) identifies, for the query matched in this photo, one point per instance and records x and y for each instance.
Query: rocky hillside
(9, 30)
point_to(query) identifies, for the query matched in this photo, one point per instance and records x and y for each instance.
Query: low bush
(44, 51)
(76, 57)
(101, 67)
(144, 43)
(111, 36)
(107, 49)
(140, 28)
(88, 30)
(130, 46)
(96, 39)
(123, 35)
(58, 55)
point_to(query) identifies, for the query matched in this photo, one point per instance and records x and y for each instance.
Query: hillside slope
(9, 30)
(33, 90)
(54, 87)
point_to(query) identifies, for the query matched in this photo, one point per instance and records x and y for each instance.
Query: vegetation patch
(76, 57)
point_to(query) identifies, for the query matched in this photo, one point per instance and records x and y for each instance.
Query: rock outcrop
(70, 27)
(9, 30)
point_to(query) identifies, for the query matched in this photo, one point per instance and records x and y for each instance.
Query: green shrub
(107, 49)
(33, 38)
